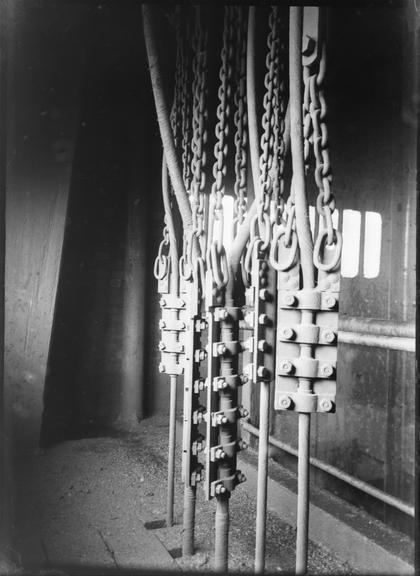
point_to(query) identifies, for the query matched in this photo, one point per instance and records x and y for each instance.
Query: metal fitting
(263, 319)
(327, 370)
(264, 294)
(330, 301)
(222, 314)
(308, 45)
(288, 333)
(162, 302)
(200, 355)
(220, 454)
(262, 372)
(199, 385)
(161, 346)
(289, 300)
(242, 445)
(200, 325)
(221, 419)
(249, 318)
(329, 336)
(221, 349)
(241, 477)
(243, 412)
(285, 402)
(162, 324)
(162, 368)
(326, 405)
(286, 366)
(244, 378)
(262, 345)
(248, 344)
(220, 489)
(181, 302)
(221, 384)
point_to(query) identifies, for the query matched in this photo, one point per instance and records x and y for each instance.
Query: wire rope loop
(254, 245)
(161, 267)
(219, 266)
(274, 257)
(260, 229)
(320, 243)
(185, 269)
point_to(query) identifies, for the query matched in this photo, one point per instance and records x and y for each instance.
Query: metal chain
(240, 117)
(186, 104)
(277, 173)
(263, 229)
(315, 107)
(216, 255)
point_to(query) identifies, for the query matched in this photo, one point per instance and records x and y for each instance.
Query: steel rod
(221, 533)
(171, 453)
(190, 493)
(263, 449)
(377, 341)
(376, 326)
(337, 473)
(303, 494)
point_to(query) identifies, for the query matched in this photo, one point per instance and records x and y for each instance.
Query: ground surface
(83, 506)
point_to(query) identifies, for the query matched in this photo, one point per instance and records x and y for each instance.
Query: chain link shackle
(216, 254)
(316, 138)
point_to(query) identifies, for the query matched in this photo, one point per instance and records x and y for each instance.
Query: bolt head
(330, 302)
(220, 454)
(288, 333)
(221, 384)
(262, 345)
(327, 370)
(244, 413)
(162, 302)
(263, 319)
(262, 372)
(161, 346)
(220, 489)
(289, 300)
(286, 366)
(326, 405)
(203, 324)
(181, 302)
(202, 354)
(162, 324)
(223, 314)
(329, 336)
(285, 402)
(263, 294)
(242, 478)
(221, 349)
(162, 368)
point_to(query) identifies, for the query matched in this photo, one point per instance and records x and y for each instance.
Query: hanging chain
(240, 117)
(316, 133)
(216, 255)
(186, 105)
(194, 157)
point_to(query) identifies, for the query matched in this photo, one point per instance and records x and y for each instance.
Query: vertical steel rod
(306, 255)
(171, 453)
(189, 520)
(303, 494)
(221, 533)
(263, 448)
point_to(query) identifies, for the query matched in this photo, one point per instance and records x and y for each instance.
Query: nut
(330, 301)
(262, 372)
(161, 346)
(289, 300)
(222, 314)
(162, 368)
(326, 405)
(263, 319)
(162, 324)
(162, 302)
(286, 366)
(220, 489)
(241, 477)
(181, 302)
(327, 370)
(262, 345)
(221, 349)
(329, 336)
(285, 402)
(288, 333)
(244, 378)
(263, 294)
(220, 454)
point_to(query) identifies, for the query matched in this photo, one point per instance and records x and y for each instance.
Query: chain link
(216, 255)
(316, 134)
(240, 117)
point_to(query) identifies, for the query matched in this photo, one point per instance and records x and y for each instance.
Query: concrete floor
(82, 507)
